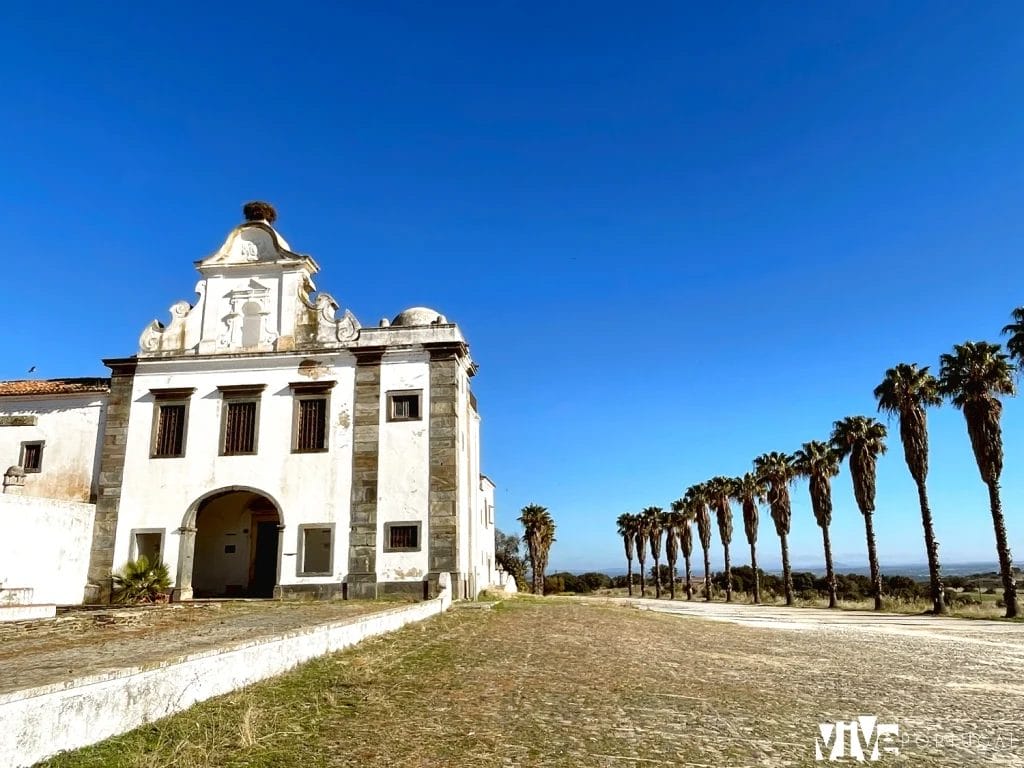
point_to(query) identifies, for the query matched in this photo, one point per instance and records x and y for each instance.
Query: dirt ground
(83, 642)
(562, 682)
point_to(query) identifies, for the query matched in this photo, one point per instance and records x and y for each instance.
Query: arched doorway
(235, 545)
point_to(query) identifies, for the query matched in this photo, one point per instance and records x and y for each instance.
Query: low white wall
(40, 722)
(45, 546)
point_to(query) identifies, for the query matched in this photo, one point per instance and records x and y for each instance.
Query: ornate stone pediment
(254, 241)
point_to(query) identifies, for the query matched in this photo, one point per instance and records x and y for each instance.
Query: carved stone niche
(248, 318)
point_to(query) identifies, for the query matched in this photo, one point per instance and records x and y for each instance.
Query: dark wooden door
(264, 576)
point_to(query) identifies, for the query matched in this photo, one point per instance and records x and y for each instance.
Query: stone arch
(253, 559)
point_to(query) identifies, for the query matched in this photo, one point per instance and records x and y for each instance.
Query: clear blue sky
(675, 236)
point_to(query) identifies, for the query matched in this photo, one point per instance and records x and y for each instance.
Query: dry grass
(584, 683)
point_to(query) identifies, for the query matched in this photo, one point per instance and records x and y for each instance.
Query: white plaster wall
(40, 722)
(403, 477)
(45, 546)
(466, 485)
(70, 425)
(310, 488)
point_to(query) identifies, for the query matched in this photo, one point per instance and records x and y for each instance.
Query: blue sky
(676, 236)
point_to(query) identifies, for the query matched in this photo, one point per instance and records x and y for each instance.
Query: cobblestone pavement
(89, 641)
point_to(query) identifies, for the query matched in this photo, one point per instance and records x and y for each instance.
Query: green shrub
(141, 582)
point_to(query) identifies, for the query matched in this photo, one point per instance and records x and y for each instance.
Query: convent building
(262, 442)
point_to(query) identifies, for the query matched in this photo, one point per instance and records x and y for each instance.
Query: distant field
(564, 682)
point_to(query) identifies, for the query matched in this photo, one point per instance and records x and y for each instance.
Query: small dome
(415, 316)
(14, 471)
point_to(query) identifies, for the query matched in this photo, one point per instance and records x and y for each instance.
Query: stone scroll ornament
(343, 329)
(157, 337)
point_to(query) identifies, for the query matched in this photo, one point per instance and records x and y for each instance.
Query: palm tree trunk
(830, 574)
(757, 579)
(642, 584)
(932, 547)
(876, 572)
(657, 579)
(629, 576)
(787, 574)
(728, 575)
(689, 578)
(1005, 561)
(707, 576)
(671, 579)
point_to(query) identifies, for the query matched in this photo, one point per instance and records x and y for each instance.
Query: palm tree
(819, 463)
(775, 469)
(655, 518)
(673, 522)
(538, 535)
(685, 527)
(627, 530)
(640, 537)
(748, 491)
(905, 392)
(862, 439)
(719, 492)
(697, 497)
(973, 377)
(1015, 344)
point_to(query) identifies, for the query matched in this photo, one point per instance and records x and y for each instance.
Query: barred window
(32, 457)
(170, 430)
(401, 537)
(239, 427)
(404, 406)
(311, 424)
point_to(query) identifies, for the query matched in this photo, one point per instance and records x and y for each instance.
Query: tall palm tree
(673, 522)
(685, 528)
(973, 377)
(862, 439)
(748, 491)
(719, 492)
(627, 530)
(775, 469)
(655, 518)
(905, 392)
(538, 535)
(697, 497)
(640, 537)
(819, 463)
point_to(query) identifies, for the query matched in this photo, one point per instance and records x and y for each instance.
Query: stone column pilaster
(111, 474)
(443, 487)
(362, 546)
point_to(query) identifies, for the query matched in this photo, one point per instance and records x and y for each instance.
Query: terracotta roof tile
(53, 386)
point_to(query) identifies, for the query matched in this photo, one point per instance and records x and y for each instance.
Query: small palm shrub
(141, 582)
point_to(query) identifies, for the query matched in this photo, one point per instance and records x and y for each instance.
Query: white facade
(64, 421)
(264, 442)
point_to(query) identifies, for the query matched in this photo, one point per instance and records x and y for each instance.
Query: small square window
(149, 544)
(316, 547)
(32, 456)
(405, 406)
(401, 537)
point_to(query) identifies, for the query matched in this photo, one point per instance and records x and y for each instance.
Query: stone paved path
(91, 641)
